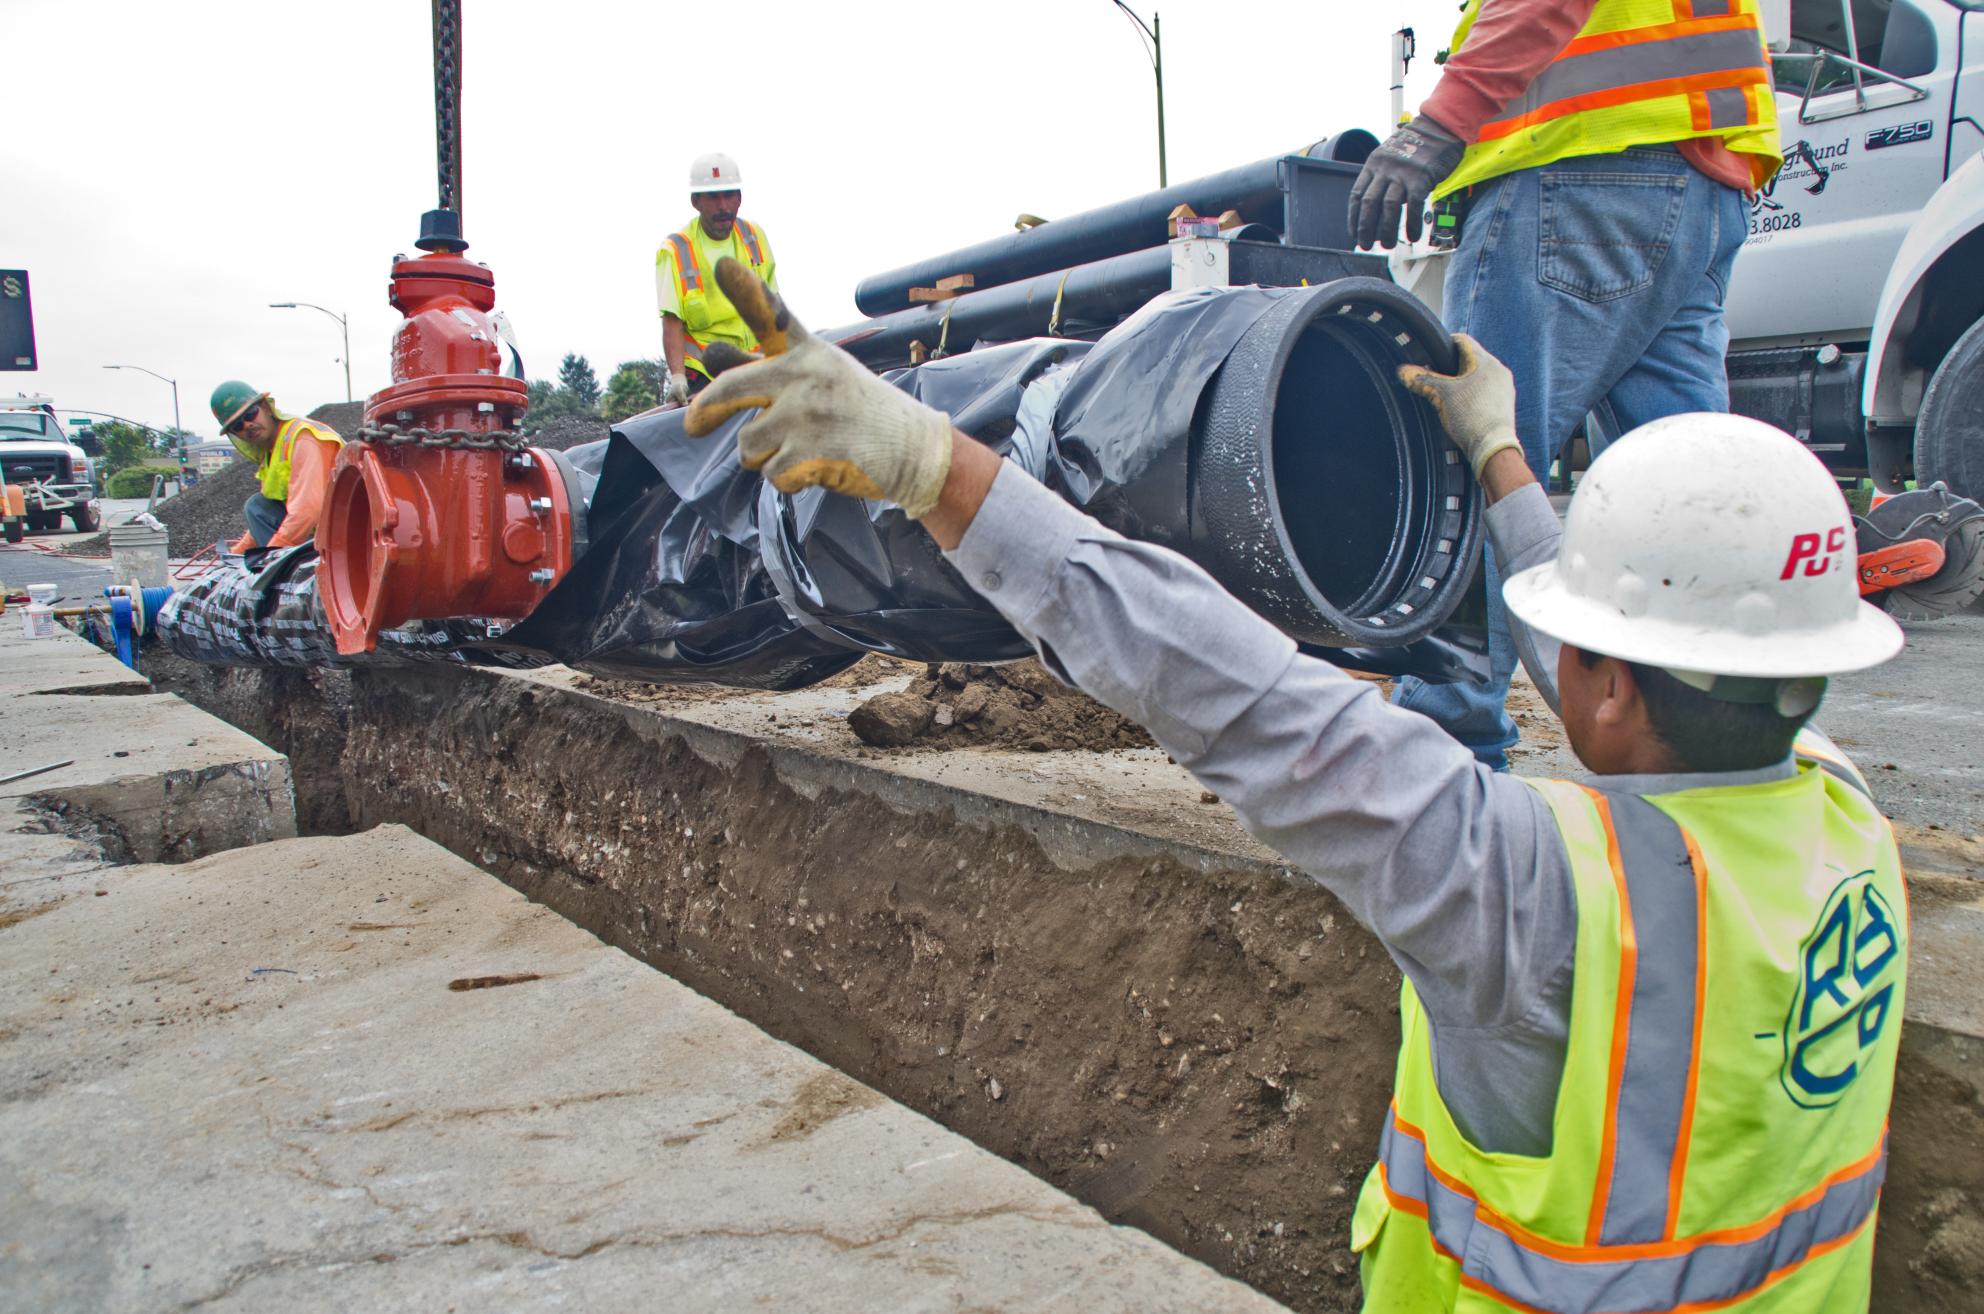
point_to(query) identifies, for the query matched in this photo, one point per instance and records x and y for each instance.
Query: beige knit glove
(825, 419)
(1477, 406)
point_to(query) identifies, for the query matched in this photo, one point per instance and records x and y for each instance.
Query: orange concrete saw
(1922, 553)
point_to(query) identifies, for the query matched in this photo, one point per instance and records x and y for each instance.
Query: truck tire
(40, 522)
(1949, 430)
(16, 530)
(86, 518)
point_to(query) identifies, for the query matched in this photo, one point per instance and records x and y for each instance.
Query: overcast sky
(170, 169)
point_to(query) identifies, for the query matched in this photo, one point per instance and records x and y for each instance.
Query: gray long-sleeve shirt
(1459, 871)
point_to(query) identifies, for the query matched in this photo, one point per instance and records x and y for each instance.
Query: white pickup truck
(55, 477)
(1856, 311)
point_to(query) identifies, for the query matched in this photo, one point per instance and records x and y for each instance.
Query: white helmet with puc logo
(1709, 543)
(715, 172)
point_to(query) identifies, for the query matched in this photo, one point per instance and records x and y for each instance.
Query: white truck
(43, 475)
(1856, 310)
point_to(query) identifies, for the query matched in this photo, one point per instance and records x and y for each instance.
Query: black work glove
(1400, 175)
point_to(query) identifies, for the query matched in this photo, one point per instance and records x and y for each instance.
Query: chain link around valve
(393, 435)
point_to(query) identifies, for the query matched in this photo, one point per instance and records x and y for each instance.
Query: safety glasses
(242, 419)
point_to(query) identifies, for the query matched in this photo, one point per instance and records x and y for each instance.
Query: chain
(392, 435)
(448, 100)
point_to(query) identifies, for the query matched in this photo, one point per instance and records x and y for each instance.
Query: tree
(634, 387)
(548, 401)
(576, 377)
(126, 444)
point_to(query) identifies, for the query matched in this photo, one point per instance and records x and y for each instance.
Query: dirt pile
(872, 669)
(1014, 706)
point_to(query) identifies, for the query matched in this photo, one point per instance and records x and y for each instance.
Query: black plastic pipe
(1092, 235)
(1075, 303)
(1089, 297)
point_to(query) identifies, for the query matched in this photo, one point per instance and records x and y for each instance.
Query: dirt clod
(892, 720)
(1014, 706)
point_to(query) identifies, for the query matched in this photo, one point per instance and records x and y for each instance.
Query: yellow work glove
(1477, 406)
(826, 420)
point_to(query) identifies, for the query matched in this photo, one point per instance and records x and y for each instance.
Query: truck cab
(43, 475)
(1856, 309)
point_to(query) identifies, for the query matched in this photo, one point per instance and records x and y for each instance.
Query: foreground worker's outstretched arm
(1457, 869)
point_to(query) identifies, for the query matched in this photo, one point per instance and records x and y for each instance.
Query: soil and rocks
(1201, 1049)
(945, 706)
(1013, 706)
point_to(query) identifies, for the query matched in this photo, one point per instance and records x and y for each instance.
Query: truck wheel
(16, 531)
(1949, 431)
(40, 522)
(86, 518)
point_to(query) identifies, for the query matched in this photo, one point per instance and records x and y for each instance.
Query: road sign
(16, 321)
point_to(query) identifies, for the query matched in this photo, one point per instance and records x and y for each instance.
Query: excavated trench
(1198, 1047)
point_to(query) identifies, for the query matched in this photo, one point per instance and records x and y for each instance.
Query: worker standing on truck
(694, 311)
(292, 456)
(1576, 1125)
(1594, 155)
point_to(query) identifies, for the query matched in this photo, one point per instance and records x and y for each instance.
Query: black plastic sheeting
(699, 571)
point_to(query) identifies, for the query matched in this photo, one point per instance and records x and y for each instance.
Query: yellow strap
(944, 330)
(1054, 320)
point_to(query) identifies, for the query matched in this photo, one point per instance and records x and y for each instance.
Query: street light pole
(1153, 37)
(343, 324)
(175, 393)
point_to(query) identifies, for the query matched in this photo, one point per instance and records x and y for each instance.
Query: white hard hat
(715, 172)
(1714, 544)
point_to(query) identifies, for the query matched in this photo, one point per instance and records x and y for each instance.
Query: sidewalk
(360, 1073)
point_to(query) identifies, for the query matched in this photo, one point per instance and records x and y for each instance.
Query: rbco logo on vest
(1849, 965)
(1805, 548)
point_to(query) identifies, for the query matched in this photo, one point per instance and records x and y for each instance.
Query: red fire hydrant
(438, 510)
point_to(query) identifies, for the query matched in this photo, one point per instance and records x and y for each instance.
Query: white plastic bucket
(43, 594)
(38, 620)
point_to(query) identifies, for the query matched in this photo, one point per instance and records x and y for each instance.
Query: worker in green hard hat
(295, 476)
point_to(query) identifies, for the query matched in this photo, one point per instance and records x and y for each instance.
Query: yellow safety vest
(707, 314)
(1720, 1136)
(1639, 73)
(273, 465)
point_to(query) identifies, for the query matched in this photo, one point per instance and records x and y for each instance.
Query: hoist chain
(448, 100)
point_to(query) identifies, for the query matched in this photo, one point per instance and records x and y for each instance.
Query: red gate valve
(438, 511)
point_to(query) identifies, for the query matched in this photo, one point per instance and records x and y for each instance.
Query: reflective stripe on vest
(1717, 57)
(1632, 1257)
(750, 235)
(1697, 70)
(1813, 747)
(1499, 1259)
(688, 274)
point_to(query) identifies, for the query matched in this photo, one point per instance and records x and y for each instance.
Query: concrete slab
(166, 780)
(360, 1073)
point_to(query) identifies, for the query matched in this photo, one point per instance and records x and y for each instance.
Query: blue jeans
(264, 516)
(1595, 279)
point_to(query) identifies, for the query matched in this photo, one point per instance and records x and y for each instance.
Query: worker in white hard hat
(694, 311)
(1650, 1018)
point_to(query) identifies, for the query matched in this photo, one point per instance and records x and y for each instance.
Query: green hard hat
(231, 399)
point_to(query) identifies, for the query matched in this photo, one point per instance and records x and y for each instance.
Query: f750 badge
(1901, 134)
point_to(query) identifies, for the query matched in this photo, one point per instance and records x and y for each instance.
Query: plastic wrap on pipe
(699, 571)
